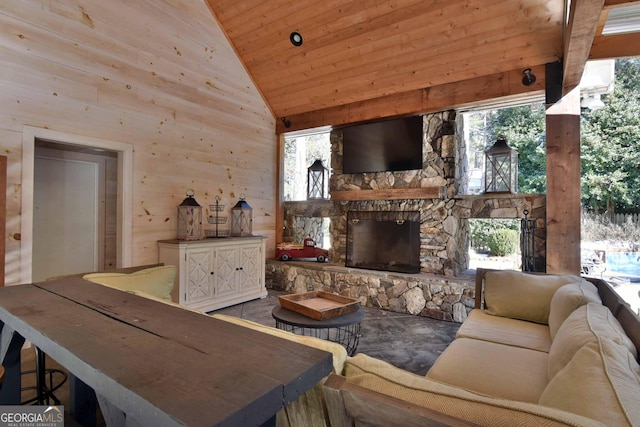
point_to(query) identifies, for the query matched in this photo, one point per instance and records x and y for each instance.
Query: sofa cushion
(503, 330)
(492, 369)
(156, 281)
(602, 381)
(384, 378)
(566, 299)
(521, 295)
(586, 324)
(339, 352)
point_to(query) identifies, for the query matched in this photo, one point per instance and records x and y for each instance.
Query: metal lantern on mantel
(501, 168)
(189, 218)
(241, 218)
(316, 178)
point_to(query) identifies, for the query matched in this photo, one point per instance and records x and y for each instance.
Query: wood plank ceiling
(365, 59)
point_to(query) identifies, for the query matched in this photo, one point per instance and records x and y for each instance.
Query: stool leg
(41, 377)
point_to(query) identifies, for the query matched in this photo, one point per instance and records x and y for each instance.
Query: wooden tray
(319, 305)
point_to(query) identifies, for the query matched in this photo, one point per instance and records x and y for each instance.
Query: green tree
(610, 150)
(524, 129)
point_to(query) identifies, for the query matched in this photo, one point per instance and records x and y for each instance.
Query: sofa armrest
(479, 296)
(348, 402)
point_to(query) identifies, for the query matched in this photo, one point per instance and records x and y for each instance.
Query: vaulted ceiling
(363, 59)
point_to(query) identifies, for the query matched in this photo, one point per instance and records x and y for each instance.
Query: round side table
(344, 330)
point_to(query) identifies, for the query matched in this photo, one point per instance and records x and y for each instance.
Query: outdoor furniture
(344, 330)
(153, 363)
(44, 393)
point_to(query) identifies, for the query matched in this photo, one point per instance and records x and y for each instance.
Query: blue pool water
(627, 263)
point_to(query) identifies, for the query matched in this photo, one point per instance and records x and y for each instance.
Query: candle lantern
(241, 218)
(189, 218)
(501, 168)
(316, 178)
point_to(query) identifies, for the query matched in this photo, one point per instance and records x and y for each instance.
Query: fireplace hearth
(388, 241)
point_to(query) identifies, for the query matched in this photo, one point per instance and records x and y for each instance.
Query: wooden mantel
(390, 194)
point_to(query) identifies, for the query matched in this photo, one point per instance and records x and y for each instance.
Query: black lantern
(189, 218)
(241, 218)
(316, 178)
(501, 168)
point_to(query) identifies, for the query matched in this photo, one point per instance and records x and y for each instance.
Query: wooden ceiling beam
(436, 98)
(615, 46)
(579, 35)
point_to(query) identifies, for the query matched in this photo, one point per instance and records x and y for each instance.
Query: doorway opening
(76, 204)
(495, 243)
(75, 209)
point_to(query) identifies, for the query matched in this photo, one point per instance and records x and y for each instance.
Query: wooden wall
(156, 74)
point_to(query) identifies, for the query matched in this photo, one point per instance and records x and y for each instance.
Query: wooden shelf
(390, 194)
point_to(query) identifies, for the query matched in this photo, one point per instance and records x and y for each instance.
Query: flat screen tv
(389, 145)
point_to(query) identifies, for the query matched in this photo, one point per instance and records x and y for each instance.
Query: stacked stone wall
(438, 297)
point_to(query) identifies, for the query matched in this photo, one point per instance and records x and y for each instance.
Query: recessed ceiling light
(295, 38)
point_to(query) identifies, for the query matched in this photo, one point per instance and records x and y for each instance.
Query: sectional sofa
(536, 350)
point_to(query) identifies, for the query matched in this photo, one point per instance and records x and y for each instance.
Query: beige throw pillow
(567, 299)
(587, 324)
(523, 296)
(601, 382)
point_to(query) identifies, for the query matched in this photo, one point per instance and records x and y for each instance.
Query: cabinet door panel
(250, 267)
(226, 266)
(199, 268)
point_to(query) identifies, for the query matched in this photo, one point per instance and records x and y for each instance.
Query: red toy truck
(308, 249)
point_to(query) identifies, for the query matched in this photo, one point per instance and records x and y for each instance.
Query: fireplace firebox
(388, 241)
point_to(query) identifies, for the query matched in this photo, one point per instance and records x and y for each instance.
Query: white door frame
(125, 190)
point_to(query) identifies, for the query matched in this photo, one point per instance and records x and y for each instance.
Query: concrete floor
(406, 341)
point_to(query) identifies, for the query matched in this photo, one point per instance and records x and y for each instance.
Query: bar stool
(44, 391)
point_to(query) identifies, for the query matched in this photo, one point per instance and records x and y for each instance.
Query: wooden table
(154, 364)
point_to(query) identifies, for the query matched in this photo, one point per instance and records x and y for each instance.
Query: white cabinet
(216, 273)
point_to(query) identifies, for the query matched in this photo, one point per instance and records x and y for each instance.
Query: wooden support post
(563, 185)
(279, 235)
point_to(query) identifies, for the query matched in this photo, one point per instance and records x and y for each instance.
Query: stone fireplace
(427, 191)
(431, 194)
(429, 199)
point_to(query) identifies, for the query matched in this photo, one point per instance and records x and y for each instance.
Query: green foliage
(503, 242)
(611, 145)
(481, 232)
(524, 129)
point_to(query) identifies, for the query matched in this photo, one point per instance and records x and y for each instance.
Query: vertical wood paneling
(159, 75)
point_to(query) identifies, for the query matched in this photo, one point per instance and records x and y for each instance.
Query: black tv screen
(390, 145)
